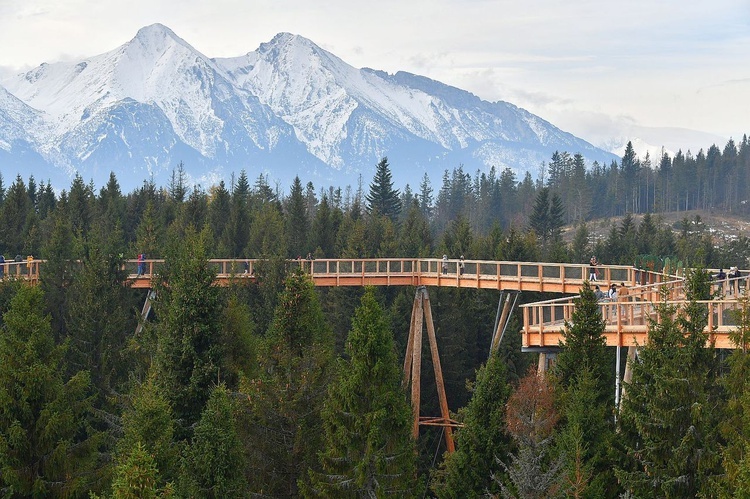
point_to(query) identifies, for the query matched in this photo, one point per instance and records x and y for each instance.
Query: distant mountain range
(288, 108)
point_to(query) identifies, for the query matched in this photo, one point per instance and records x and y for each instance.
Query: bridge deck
(627, 321)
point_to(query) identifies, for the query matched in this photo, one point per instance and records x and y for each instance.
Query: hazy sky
(587, 66)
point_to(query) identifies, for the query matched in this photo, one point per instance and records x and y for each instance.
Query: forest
(275, 388)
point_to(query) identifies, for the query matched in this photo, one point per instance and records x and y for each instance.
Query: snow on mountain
(287, 108)
(349, 116)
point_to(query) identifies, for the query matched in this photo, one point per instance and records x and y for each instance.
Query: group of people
(733, 275)
(461, 265)
(612, 292)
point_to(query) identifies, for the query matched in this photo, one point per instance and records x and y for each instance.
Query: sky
(672, 73)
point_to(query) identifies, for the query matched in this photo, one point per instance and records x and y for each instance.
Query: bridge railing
(626, 319)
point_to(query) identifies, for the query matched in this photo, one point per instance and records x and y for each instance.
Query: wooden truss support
(146, 310)
(628, 377)
(422, 312)
(505, 307)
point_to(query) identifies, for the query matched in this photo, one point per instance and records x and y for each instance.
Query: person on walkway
(734, 276)
(720, 278)
(598, 293)
(141, 264)
(445, 264)
(461, 266)
(612, 297)
(2, 266)
(593, 271)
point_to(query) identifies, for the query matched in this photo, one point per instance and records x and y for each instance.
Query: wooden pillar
(422, 311)
(627, 378)
(444, 413)
(542, 366)
(416, 363)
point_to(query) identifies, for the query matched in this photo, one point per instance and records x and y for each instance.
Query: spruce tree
(368, 448)
(148, 423)
(15, 211)
(46, 449)
(482, 440)
(213, 463)
(531, 418)
(670, 417)
(584, 346)
(582, 374)
(137, 477)
(286, 400)
(189, 357)
(383, 199)
(296, 221)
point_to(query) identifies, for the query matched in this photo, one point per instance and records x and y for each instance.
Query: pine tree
(368, 450)
(582, 374)
(383, 199)
(189, 357)
(214, 460)
(285, 402)
(45, 447)
(137, 477)
(670, 416)
(296, 221)
(482, 440)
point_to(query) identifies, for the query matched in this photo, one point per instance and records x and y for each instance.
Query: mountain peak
(156, 30)
(157, 38)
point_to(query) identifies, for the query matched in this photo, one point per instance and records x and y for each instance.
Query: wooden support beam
(421, 313)
(438, 371)
(416, 365)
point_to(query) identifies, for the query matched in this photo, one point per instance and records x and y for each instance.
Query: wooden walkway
(627, 320)
(477, 274)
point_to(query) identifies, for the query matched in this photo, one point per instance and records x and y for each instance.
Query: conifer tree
(582, 374)
(286, 401)
(415, 239)
(482, 440)
(59, 272)
(137, 477)
(531, 419)
(214, 461)
(368, 449)
(99, 319)
(15, 212)
(148, 423)
(296, 221)
(670, 416)
(189, 357)
(584, 346)
(735, 427)
(45, 447)
(218, 215)
(383, 199)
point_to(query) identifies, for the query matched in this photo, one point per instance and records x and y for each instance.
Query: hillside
(725, 227)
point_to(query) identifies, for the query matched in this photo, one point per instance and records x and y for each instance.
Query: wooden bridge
(627, 320)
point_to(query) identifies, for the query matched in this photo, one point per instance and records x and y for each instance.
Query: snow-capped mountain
(287, 108)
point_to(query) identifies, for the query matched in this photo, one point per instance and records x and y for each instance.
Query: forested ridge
(277, 389)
